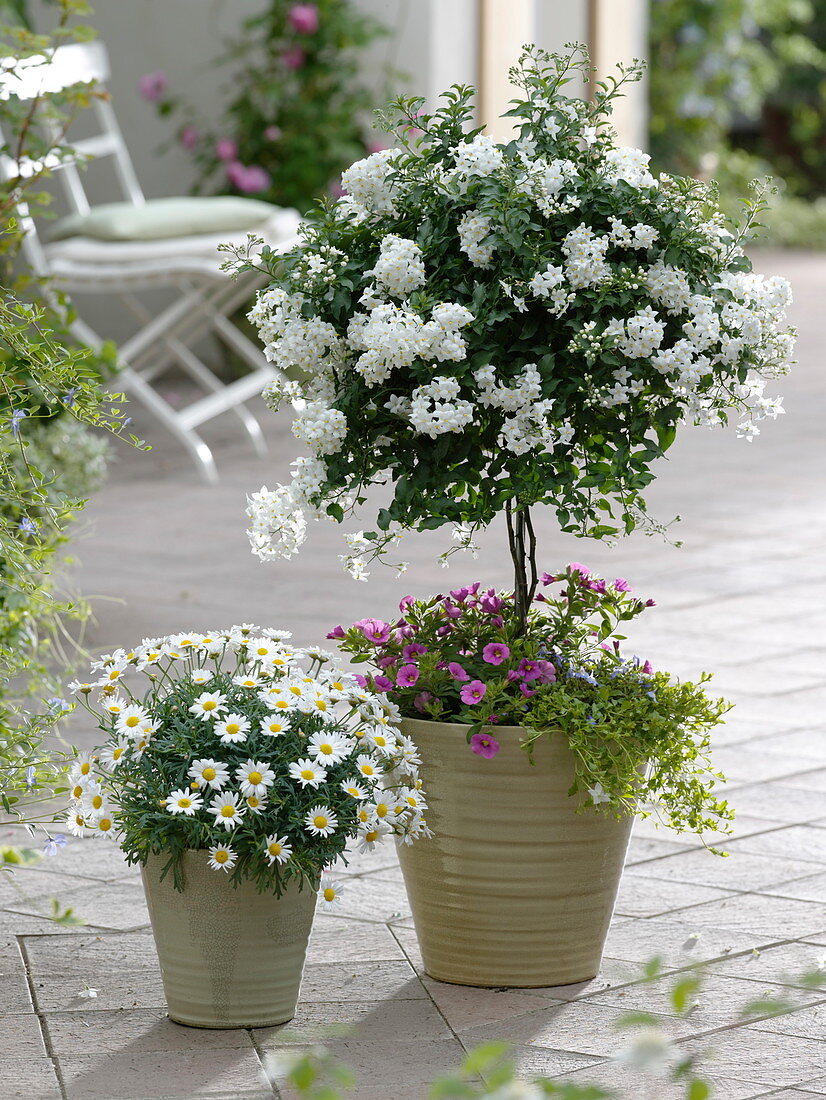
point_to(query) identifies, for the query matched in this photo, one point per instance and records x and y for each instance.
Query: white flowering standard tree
(486, 327)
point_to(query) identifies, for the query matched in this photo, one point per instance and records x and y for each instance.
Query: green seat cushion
(161, 219)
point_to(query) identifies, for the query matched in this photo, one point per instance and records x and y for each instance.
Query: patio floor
(744, 597)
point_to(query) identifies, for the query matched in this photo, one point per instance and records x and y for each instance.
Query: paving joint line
(41, 1017)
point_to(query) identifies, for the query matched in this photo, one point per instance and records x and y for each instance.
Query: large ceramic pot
(515, 888)
(230, 957)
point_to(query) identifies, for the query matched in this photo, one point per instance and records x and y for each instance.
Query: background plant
(237, 750)
(51, 393)
(297, 110)
(489, 327)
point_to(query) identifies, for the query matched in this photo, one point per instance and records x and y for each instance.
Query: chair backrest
(38, 77)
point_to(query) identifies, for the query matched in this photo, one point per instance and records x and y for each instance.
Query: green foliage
(638, 741)
(50, 395)
(298, 109)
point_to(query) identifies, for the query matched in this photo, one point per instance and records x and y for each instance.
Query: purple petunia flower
(151, 86)
(422, 701)
(647, 669)
(457, 672)
(484, 745)
(472, 693)
(578, 567)
(189, 138)
(407, 676)
(337, 632)
(374, 630)
(622, 585)
(383, 683)
(495, 653)
(415, 649)
(303, 18)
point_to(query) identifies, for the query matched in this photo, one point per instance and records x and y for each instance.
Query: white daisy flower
(321, 821)
(277, 849)
(79, 687)
(370, 837)
(276, 698)
(200, 675)
(183, 801)
(355, 790)
(76, 823)
(364, 816)
(82, 767)
(222, 858)
(254, 778)
(226, 810)
(309, 773)
(94, 801)
(412, 799)
(210, 772)
(255, 804)
(105, 826)
(209, 704)
(233, 729)
(384, 807)
(113, 673)
(295, 689)
(367, 766)
(382, 741)
(80, 784)
(275, 727)
(245, 680)
(329, 893)
(262, 649)
(114, 704)
(131, 719)
(185, 641)
(113, 754)
(329, 748)
(408, 751)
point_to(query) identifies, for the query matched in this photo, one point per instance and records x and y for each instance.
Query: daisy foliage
(265, 758)
(482, 327)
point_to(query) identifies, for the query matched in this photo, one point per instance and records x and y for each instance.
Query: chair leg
(200, 372)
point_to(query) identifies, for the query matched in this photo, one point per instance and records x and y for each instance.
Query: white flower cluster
(368, 189)
(436, 408)
(479, 157)
(400, 267)
(584, 252)
(391, 337)
(550, 284)
(257, 722)
(629, 165)
(473, 229)
(290, 339)
(526, 425)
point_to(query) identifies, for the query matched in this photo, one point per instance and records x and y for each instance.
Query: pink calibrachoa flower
(337, 632)
(415, 649)
(622, 585)
(189, 137)
(383, 683)
(273, 133)
(151, 86)
(293, 58)
(484, 745)
(457, 672)
(335, 189)
(303, 18)
(474, 691)
(374, 630)
(647, 669)
(578, 567)
(422, 700)
(407, 676)
(226, 149)
(495, 653)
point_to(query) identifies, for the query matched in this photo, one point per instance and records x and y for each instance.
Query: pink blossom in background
(226, 149)
(151, 86)
(484, 745)
(189, 137)
(622, 585)
(293, 58)
(249, 178)
(273, 133)
(375, 146)
(335, 189)
(647, 669)
(578, 567)
(303, 18)
(422, 700)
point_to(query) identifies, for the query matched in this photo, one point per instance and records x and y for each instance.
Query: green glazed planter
(514, 888)
(230, 957)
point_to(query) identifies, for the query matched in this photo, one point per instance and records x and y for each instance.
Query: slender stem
(522, 543)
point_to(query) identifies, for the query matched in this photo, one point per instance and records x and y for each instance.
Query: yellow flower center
(132, 721)
(274, 849)
(363, 816)
(77, 791)
(221, 857)
(320, 821)
(105, 824)
(382, 809)
(307, 773)
(85, 768)
(282, 704)
(367, 769)
(227, 811)
(275, 727)
(118, 753)
(380, 741)
(184, 803)
(329, 894)
(371, 836)
(253, 802)
(208, 774)
(262, 651)
(79, 821)
(97, 801)
(295, 690)
(232, 728)
(327, 750)
(320, 704)
(255, 777)
(210, 704)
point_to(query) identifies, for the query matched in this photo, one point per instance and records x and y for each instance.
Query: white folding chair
(190, 266)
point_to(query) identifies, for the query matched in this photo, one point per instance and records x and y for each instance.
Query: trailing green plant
(297, 111)
(50, 392)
